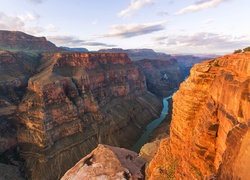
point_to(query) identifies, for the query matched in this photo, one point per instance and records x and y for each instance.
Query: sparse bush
(237, 51)
(246, 49)
(216, 63)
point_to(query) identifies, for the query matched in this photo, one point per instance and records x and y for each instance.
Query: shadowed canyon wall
(67, 104)
(209, 135)
(163, 76)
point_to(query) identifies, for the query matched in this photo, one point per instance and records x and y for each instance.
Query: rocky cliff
(66, 105)
(209, 135)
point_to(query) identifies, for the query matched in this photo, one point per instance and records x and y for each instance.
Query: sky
(173, 27)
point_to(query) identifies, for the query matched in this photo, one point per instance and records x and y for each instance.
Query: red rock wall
(210, 123)
(74, 102)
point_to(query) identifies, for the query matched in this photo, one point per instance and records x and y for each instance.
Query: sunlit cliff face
(210, 123)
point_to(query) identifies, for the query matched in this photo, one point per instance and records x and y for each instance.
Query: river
(151, 126)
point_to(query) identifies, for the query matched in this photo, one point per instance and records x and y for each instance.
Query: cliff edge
(210, 128)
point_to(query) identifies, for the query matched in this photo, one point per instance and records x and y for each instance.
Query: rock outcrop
(209, 136)
(107, 162)
(19, 41)
(68, 104)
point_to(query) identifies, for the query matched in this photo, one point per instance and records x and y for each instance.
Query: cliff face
(162, 76)
(209, 134)
(75, 101)
(15, 70)
(19, 41)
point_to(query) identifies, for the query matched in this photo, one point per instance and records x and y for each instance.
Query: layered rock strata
(15, 70)
(74, 102)
(209, 136)
(107, 162)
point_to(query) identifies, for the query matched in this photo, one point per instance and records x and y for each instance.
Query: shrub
(246, 49)
(216, 63)
(238, 51)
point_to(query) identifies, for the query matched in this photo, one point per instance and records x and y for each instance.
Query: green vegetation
(246, 49)
(216, 63)
(237, 51)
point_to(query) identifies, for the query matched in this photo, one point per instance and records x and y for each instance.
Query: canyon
(209, 131)
(57, 106)
(209, 134)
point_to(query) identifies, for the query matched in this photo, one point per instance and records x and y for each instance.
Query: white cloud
(51, 28)
(200, 5)
(208, 21)
(162, 13)
(204, 41)
(11, 22)
(132, 30)
(72, 41)
(134, 6)
(36, 1)
(30, 16)
(21, 23)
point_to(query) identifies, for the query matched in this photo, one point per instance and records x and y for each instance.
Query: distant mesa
(138, 54)
(19, 41)
(74, 49)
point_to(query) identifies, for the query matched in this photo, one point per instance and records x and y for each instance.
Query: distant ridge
(19, 41)
(138, 54)
(74, 49)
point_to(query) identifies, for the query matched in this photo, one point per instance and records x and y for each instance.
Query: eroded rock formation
(209, 135)
(69, 104)
(107, 162)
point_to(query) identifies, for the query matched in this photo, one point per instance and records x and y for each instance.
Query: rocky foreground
(107, 162)
(210, 129)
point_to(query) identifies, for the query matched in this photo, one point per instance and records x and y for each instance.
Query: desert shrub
(246, 49)
(216, 63)
(237, 51)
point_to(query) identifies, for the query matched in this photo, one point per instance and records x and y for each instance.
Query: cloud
(30, 16)
(134, 6)
(208, 21)
(203, 41)
(20, 23)
(11, 22)
(36, 1)
(160, 38)
(51, 28)
(200, 5)
(132, 30)
(72, 41)
(162, 13)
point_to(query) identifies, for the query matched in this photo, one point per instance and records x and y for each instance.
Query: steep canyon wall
(209, 136)
(72, 102)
